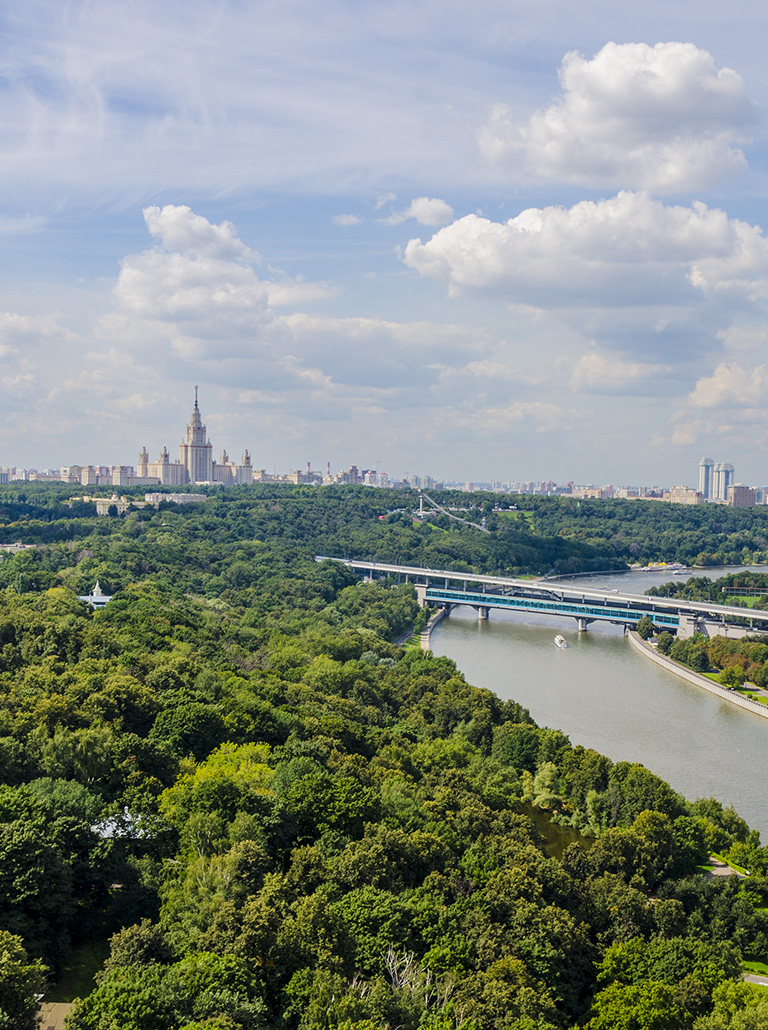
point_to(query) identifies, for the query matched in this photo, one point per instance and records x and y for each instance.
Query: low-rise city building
(683, 495)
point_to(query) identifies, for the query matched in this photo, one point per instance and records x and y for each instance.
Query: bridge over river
(444, 588)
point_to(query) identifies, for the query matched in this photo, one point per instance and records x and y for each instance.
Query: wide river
(606, 696)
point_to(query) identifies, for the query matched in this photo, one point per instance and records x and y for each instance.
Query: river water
(606, 696)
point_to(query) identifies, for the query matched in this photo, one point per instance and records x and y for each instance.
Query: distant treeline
(540, 534)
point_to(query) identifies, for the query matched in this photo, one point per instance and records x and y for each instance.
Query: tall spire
(196, 421)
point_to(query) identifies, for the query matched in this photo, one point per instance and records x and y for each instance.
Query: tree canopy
(279, 816)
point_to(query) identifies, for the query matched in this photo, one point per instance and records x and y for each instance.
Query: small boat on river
(560, 641)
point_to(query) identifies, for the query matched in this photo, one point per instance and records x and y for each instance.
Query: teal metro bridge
(583, 613)
(445, 588)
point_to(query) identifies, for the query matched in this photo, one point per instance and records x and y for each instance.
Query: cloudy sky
(492, 241)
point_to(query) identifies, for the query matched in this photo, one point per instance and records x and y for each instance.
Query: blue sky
(509, 241)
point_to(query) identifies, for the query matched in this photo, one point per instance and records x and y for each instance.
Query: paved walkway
(51, 1014)
(749, 704)
(722, 869)
(753, 978)
(753, 689)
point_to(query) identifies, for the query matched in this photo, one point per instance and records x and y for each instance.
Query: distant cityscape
(196, 465)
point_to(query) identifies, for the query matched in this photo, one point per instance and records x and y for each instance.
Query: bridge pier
(582, 622)
(482, 612)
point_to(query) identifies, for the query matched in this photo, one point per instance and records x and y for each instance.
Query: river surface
(606, 696)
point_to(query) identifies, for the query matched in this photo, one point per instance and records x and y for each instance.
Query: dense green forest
(539, 535)
(643, 531)
(273, 815)
(745, 589)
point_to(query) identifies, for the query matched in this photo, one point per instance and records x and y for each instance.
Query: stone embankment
(724, 693)
(439, 615)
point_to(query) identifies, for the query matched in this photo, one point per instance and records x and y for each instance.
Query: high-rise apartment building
(722, 478)
(706, 465)
(729, 478)
(716, 477)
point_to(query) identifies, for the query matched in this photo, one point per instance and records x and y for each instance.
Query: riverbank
(696, 678)
(604, 694)
(437, 618)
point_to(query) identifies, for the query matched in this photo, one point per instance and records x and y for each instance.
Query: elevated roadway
(586, 604)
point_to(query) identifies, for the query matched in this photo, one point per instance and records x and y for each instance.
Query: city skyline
(196, 465)
(501, 244)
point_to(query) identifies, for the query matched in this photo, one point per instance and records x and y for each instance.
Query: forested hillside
(643, 531)
(273, 816)
(537, 535)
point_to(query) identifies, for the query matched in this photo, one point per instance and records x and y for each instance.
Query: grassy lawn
(432, 526)
(744, 691)
(513, 514)
(759, 968)
(77, 979)
(747, 692)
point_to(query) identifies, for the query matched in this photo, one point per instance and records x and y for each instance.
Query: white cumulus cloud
(656, 262)
(346, 220)
(177, 227)
(198, 290)
(25, 332)
(662, 118)
(200, 308)
(425, 210)
(602, 373)
(214, 313)
(539, 416)
(745, 337)
(732, 386)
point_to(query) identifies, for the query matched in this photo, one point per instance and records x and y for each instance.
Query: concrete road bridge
(444, 588)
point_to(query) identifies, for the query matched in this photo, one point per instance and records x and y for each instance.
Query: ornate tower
(141, 468)
(245, 471)
(196, 450)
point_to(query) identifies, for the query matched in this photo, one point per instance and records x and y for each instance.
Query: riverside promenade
(724, 693)
(439, 615)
